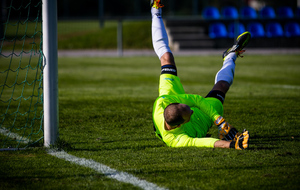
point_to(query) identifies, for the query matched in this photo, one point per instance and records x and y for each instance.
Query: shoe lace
(158, 4)
(239, 54)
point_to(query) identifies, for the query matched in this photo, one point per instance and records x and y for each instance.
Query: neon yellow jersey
(206, 111)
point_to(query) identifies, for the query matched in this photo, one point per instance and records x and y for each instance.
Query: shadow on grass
(258, 142)
(105, 144)
(129, 147)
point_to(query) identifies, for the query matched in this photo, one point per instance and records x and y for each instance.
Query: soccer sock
(159, 35)
(169, 69)
(226, 73)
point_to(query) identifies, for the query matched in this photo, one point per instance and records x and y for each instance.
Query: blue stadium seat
(229, 12)
(267, 12)
(256, 29)
(292, 29)
(210, 13)
(248, 13)
(217, 30)
(285, 12)
(274, 29)
(298, 12)
(231, 29)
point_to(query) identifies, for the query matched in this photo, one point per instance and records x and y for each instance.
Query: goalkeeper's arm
(242, 142)
(222, 144)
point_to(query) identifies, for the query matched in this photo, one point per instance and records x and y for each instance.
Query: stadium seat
(267, 12)
(274, 29)
(256, 29)
(298, 12)
(248, 13)
(231, 29)
(217, 30)
(285, 12)
(210, 13)
(229, 12)
(292, 29)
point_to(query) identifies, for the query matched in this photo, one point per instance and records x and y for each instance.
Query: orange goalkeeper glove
(226, 131)
(242, 142)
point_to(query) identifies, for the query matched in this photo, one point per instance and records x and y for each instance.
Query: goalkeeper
(182, 120)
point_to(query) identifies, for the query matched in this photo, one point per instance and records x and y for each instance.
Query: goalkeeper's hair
(173, 114)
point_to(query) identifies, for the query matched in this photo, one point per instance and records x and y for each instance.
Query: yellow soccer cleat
(240, 43)
(156, 4)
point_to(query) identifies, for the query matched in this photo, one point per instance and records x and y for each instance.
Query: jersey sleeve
(183, 140)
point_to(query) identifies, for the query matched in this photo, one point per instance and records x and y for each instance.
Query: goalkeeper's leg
(223, 81)
(160, 39)
(224, 77)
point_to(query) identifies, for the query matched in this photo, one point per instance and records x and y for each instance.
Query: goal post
(28, 74)
(50, 73)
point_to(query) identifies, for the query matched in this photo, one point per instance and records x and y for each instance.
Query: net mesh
(21, 75)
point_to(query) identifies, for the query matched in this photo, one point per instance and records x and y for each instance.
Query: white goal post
(50, 72)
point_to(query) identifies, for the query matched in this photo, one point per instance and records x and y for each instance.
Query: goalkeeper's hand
(242, 142)
(226, 131)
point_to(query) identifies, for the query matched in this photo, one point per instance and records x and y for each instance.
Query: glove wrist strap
(219, 120)
(232, 144)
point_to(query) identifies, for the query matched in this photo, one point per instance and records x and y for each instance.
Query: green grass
(89, 35)
(80, 35)
(105, 107)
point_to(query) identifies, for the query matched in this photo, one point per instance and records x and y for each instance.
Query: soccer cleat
(240, 43)
(156, 4)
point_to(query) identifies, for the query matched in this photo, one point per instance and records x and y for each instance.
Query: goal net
(21, 73)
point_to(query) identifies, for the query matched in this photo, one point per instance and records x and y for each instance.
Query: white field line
(286, 86)
(6, 132)
(107, 171)
(101, 168)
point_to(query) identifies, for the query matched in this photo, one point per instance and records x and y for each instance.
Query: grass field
(80, 35)
(105, 109)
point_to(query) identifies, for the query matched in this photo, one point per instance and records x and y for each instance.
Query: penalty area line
(107, 171)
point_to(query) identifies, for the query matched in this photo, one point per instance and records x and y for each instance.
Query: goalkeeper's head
(177, 114)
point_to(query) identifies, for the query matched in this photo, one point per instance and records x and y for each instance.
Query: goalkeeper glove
(226, 131)
(241, 142)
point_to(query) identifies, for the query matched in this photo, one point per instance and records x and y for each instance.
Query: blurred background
(112, 8)
(191, 24)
